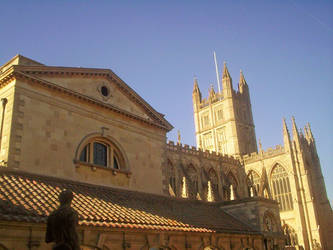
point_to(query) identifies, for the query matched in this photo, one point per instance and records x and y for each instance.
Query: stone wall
(17, 236)
(48, 127)
(193, 163)
(262, 214)
(7, 96)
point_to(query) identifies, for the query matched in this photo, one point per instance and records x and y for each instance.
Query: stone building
(290, 174)
(86, 130)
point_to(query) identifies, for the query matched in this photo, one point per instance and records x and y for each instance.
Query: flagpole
(217, 73)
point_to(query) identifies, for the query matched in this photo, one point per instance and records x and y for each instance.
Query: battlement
(219, 97)
(186, 149)
(264, 154)
(206, 101)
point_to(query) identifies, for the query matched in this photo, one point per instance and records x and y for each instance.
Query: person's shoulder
(52, 214)
(74, 210)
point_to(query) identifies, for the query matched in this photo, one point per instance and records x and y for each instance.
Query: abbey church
(86, 130)
(290, 174)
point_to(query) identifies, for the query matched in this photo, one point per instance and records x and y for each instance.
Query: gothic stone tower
(223, 121)
(290, 173)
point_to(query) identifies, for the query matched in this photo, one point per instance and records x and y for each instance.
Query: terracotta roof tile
(31, 198)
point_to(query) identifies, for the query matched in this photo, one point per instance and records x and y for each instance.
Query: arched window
(184, 193)
(233, 184)
(172, 179)
(281, 188)
(102, 152)
(214, 184)
(193, 181)
(253, 183)
(226, 193)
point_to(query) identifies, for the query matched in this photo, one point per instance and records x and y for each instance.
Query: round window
(104, 91)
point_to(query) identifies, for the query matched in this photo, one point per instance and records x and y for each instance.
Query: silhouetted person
(61, 224)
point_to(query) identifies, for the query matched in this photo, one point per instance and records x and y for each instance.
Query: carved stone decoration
(61, 224)
(269, 222)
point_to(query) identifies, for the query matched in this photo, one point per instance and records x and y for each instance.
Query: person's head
(65, 197)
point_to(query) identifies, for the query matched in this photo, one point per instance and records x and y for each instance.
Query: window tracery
(233, 185)
(221, 140)
(205, 120)
(281, 188)
(253, 183)
(208, 141)
(193, 181)
(226, 193)
(184, 193)
(214, 184)
(172, 179)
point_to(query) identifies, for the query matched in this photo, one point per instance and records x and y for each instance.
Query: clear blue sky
(285, 49)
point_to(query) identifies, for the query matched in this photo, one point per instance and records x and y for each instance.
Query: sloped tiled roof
(30, 198)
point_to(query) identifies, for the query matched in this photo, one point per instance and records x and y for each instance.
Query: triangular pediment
(101, 89)
(101, 86)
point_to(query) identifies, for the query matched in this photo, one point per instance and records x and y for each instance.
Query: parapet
(206, 101)
(186, 149)
(264, 154)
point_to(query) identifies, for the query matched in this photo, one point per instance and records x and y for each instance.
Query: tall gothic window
(101, 152)
(221, 140)
(233, 184)
(226, 193)
(253, 183)
(172, 179)
(214, 184)
(184, 191)
(193, 181)
(219, 115)
(206, 121)
(281, 188)
(208, 141)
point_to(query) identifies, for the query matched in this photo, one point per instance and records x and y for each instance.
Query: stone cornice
(94, 72)
(18, 56)
(30, 72)
(6, 77)
(14, 73)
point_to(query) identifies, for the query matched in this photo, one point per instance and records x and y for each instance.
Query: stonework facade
(290, 174)
(82, 125)
(224, 121)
